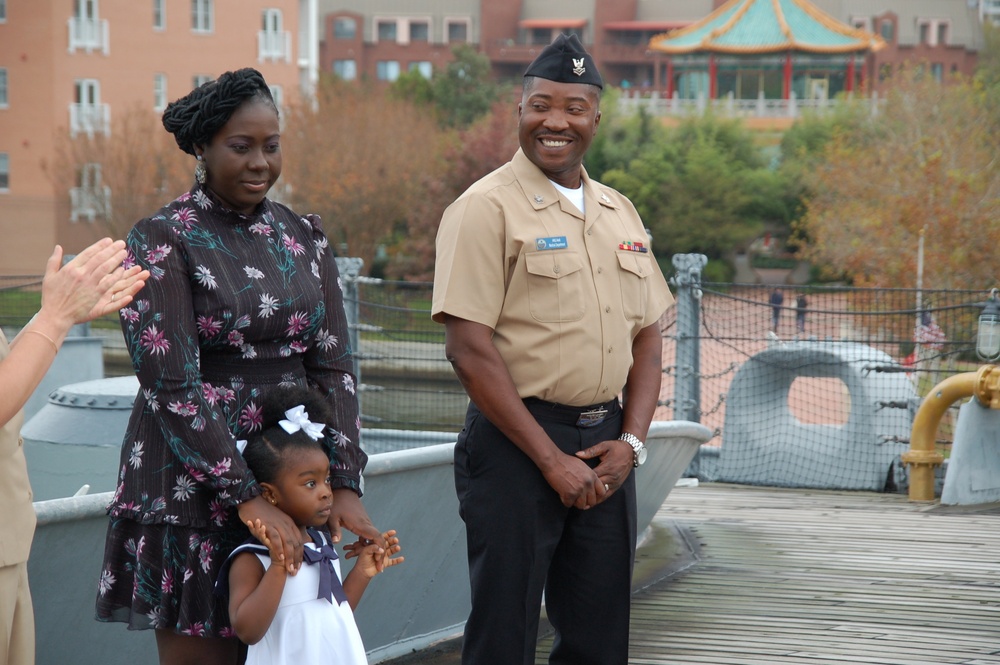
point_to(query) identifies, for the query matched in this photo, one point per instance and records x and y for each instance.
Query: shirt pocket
(555, 286)
(636, 267)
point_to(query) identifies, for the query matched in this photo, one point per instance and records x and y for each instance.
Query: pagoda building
(766, 49)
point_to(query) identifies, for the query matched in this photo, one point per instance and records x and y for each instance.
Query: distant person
(551, 301)
(91, 284)
(244, 297)
(308, 617)
(801, 304)
(777, 300)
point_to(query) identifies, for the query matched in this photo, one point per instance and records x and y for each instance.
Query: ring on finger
(606, 488)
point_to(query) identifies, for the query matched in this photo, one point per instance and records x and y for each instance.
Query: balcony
(729, 107)
(89, 119)
(274, 46)
(88, 34)
(89, 203)
(626, 54)
(508, 51)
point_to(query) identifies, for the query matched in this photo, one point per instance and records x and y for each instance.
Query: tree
(138, 162)
(927, 161)
(465, 91)
(358, 157)
(705, 188)
(471, 154)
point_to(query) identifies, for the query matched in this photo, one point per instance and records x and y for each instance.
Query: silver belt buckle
(592, 417)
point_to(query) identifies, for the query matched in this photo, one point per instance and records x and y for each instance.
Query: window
(942, 33)
(888, 31)
(87, 113)
(4, 101)
(419, 31)
(4, 169)
(273, 43)
(458, 31)
(345, 69)
(202, 15)
(925, 33)
(159, 92)
(3, 11)
(89, 199)
(386, 30)
(937, 71)
(86, 29)
(344, 28)
(387, 70)
(86, 9)
(278, 95)
(200, 80)
(424, 67)
(159, 14)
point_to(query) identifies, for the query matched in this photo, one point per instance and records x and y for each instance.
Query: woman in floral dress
(244, 296)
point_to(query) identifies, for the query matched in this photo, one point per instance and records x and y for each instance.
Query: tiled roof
(767, 26)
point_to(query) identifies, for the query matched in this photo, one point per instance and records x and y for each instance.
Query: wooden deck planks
(816, 577)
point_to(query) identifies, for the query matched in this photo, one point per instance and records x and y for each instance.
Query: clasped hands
(583, 487)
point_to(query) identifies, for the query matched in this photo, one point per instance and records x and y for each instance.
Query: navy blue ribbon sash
(329, 583)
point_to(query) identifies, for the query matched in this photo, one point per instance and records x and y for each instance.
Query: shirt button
(610, 349)
(600, 270)
(590, 232)
(556, 270)
(608, 309)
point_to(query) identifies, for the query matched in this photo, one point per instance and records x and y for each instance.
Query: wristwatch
(638, 449)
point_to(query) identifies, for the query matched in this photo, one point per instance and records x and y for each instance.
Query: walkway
(764, 576)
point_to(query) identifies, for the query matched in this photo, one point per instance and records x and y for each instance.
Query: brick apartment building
(73, 66)
(379, 39)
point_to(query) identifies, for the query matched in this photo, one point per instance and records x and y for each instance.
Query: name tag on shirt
(553, 242)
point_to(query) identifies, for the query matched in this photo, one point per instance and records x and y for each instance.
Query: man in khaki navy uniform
(17, 527)
(550, 299)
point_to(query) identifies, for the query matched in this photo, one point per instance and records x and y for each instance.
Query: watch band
(637, 447)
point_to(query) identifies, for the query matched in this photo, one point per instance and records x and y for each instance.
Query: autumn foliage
(927, 161)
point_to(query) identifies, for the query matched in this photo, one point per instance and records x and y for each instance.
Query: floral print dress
(235, 306)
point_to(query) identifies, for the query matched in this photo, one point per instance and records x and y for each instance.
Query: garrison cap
(565, 61)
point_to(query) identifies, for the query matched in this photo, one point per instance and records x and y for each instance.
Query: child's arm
(367, 565)
(253, 592)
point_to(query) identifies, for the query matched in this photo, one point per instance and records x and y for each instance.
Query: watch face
(641, 455)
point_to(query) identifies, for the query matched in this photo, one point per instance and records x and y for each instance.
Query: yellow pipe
(922, 456)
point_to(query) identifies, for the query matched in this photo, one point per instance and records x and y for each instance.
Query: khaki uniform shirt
(564, 293)
(17, 515)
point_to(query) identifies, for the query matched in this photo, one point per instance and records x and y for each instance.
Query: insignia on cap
(565, 61)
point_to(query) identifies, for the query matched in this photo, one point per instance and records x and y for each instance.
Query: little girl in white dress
(307, 617)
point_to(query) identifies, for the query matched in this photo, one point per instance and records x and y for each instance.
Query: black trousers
(523, 541)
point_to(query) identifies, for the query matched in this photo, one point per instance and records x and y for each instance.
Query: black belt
(581, 416)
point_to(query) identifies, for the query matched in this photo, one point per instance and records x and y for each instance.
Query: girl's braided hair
(196, 117)
(265, 448)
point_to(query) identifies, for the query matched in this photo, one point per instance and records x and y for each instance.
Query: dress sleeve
(329, 363)
(162, 338)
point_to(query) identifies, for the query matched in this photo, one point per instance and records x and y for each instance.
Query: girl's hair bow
(298, 419)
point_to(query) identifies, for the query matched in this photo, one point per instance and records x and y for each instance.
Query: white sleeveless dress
(307, 629)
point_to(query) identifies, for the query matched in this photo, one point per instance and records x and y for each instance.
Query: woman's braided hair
(196, 117)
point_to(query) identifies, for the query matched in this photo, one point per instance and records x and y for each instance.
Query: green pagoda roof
(767, 26)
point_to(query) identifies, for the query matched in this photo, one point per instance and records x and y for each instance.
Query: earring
(200, 173)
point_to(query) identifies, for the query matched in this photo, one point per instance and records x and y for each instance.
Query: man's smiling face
(556, 124)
